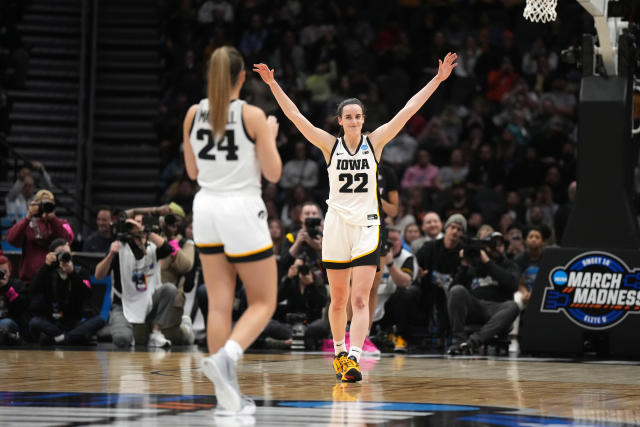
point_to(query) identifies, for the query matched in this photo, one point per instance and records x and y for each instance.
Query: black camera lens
(46, 206)
(312, 222)
(170, 219)
(64, 257)
(303, 269)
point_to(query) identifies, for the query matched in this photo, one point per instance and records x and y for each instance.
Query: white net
(540, 10)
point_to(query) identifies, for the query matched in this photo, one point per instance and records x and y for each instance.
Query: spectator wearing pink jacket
(422, 173)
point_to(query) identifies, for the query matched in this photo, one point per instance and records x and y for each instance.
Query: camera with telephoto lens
(56, 310)
(63, 257)
(306, 262)
(151, 224)
(123, 230)
(472, 247)
(45, 207)
(298, 327)
(312, 224)
(170, 219)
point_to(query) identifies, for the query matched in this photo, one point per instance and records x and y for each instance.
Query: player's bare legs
(361, 284)
(220, 280)
(260, 279)
(339, 289)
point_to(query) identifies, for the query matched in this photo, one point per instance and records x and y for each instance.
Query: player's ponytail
(224, 68)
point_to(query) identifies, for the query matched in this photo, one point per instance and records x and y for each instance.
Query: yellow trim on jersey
(208, 245)
(374, 249)
(250, 253)
(378, 195)
(337, 262)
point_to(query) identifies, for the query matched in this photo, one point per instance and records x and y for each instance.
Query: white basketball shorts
(233, 224)
(346, 245)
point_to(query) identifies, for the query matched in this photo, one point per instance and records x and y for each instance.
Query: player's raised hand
(265, 73)
(445, 67)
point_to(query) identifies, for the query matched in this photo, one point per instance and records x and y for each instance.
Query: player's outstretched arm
(264, 130)
(189, 157)
(318, 137)
(385, 133)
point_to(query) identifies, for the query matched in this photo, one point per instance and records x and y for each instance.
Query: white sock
(339, 347)
(59, 338)
(233, 350)
(355, 352)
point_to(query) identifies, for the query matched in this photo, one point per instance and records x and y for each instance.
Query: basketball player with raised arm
(228, 145)
(351, 243)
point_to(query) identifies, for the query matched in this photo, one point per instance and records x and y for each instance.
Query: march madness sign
(596, 290)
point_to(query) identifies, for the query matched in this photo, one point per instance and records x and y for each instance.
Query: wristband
(390, 264)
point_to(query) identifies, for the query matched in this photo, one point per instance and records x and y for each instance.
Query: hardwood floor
(100, 387)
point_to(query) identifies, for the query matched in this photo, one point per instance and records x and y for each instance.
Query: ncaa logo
(560, 278)
(595, 290)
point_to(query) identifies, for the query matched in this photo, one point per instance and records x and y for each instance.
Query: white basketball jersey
(229, 164)
(353, 183)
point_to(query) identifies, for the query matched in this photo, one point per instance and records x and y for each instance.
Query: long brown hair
(225, 66)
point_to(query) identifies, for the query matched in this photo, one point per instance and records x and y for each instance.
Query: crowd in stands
(492, 155)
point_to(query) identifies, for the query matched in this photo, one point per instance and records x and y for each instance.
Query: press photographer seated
(60, 300)
(143, 307)
(483, 293)
(13, 305)
(307, 240)
(301, 298)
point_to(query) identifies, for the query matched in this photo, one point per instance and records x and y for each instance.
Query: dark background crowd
(491, 154)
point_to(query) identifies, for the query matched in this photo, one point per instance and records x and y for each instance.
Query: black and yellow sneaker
(351, 371)
(400, 345)
(339, 363)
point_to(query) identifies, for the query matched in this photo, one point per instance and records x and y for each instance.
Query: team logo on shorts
(262, 214)
(596, 290)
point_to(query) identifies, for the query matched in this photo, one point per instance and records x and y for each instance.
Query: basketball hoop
(540, 10)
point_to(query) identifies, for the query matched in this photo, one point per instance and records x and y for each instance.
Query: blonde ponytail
(224, 68)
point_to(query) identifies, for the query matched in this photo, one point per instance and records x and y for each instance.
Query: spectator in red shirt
(501, 81)
(35, 233)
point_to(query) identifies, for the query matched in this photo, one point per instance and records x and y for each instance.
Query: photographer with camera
(483, 293)
(36, 232)
(60, 300)
(143, 308)
(439, 261)
(399, 270)
(301, 298)
(13, 305)
(307, 240)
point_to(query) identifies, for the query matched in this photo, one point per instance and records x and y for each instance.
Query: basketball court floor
(101, 386)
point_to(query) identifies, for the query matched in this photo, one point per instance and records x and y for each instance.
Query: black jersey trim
(255, 256)
(328, 265)
(344, 144)
(246, 133)
(193, 122)
(212, 249)
(333, 150)
(373, 152)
